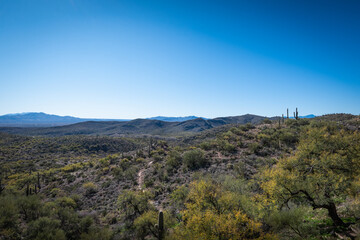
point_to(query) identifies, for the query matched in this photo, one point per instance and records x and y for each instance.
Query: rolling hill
(40, 119)
(137, 126)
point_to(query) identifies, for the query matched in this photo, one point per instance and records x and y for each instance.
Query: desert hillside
(287, 179)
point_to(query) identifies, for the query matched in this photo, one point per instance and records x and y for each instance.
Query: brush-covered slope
(137, 126)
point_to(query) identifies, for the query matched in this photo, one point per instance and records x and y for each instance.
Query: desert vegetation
(289, 179)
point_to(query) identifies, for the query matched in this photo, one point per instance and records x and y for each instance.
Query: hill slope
(137, 126)
(40, 119)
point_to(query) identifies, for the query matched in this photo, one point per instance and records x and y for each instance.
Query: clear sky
(132, 58)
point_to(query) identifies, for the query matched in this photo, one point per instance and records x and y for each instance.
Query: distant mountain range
(39, 119)
(137, 126)
(52, 125)
(307, 116)
(173, 119)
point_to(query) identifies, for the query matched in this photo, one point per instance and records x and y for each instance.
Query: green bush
(45, 228)
(266, 121)
(30, 207)
(8, 218)
(208, 145)
(90, 188)
(226, 147)
(194, 159)
(290, 222)
(173, 159)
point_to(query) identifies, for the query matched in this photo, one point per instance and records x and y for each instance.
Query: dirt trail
(141, 175)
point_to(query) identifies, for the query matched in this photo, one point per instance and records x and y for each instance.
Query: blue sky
(132, 58)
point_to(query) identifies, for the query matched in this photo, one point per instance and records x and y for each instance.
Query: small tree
(45, 228)
(321, 172)
(134, 203)
(214, 213)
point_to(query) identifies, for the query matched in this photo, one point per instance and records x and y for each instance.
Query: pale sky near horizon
(136, 58)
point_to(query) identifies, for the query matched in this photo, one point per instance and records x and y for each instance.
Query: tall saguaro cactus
(161, 226)
(287, 113)
(38, 181)
(1, 186)
(27, 189)
(296, 114)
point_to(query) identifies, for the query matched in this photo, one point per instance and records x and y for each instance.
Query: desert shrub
(97, 233)
(208, 145)
(291, 224)
(240, 169)
(163, 175)
(265, 139)
(140, 160)
(45, 228)
(225, 146)
(149, 182)
(157, 157)
(124, 163)
(110, 218)
(266, 121)
(236, 130)
(70, 178)
(133, 204)
(112, 158)
(289, 136)
(179, 196)
(30, 207)
(69, 222)
(194, 159)
(146, 224)
(66, 202)
(213, 213)
(8, 218)
(272, 137)
(131, 173)
(117, 173)
(173, 159)
(104, 162)
(85, 224)
(90, 188)
(56, 192)
(246, 127)
(254, 148)
(72, 167)
(106, 184)
(292, 123)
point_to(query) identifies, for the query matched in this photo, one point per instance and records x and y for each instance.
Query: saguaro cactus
(296, 114)
(287, 113)
(38, 181)
(161, 225)
(27, 189)
(1, 186)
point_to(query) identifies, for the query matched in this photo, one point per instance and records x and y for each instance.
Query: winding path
(141, 176)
